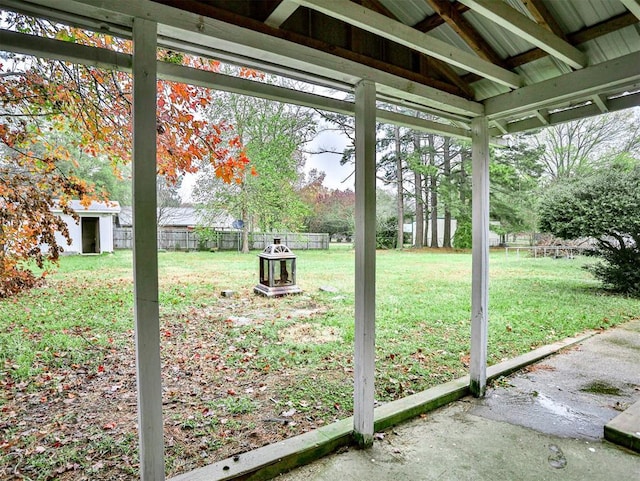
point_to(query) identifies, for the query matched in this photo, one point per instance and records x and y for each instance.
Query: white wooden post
(365, 268)
(480, 254)
(145, 252)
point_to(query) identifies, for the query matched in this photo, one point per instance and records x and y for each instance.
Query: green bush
(603, 205)
(462, 237)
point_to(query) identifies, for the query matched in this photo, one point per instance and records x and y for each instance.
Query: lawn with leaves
(240, 372)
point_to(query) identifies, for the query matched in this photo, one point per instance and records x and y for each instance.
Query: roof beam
(633, 6)
(515, 22)
(463, 28)
(108, 59)
(65, 51)
(619, 73)
(576, 38)
(435, 20)
(542, 15)
(264, 50)
(567, 115)
(398, 32)
(601, 102)
(542, 115)
(421, 125)
(439, 67)
(281, 13)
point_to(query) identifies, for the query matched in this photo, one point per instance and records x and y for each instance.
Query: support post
(145, 252)
(480, 255)
(365, 266)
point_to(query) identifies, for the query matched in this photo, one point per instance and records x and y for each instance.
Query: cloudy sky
(338, 176)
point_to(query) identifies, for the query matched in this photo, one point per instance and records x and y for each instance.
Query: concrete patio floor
(543, 423)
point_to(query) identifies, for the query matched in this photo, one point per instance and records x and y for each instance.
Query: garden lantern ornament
(277, 271)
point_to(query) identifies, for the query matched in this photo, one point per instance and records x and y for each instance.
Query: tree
(514, 174)
(386, 220)
(27, 222)
(575, 147)
(414, 161)
(332, 210)
(272, 135)
(394, 143)
(109, 180)
(92, 106)
(604, 205)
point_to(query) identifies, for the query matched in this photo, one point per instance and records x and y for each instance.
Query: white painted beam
(365, 265)
(583, 111)
(265, 52)
(67, 51)
(67, 12)
(228, 83)
(601, 102)
(633, 6)
(543, 116)
(514, 21)
(422, 125)
(281, 13)
(398, 32)
(480, 255)
(501, 126)
(108, 59)
(145, 253)
(617, 74)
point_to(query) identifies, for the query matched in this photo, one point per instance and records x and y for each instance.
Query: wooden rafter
(541, 14)
(281, 13)
(402, 34)
(427, 63)
(514, 21)
(462, 27)
(633, 6)
(576, 38)
(435, 20)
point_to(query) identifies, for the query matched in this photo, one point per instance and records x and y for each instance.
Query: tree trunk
(245, 226)
(425, 184)
(400, 192)
(446, 170)
(433, 191)
(418, 235)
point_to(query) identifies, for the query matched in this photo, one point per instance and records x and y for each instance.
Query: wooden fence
(189, 240)
(547, 251)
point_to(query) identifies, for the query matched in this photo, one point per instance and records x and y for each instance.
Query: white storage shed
(93, 234)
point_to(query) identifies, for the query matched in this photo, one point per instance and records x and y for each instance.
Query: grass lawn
(244, 371)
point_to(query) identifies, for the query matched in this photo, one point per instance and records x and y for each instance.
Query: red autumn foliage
(92, 107)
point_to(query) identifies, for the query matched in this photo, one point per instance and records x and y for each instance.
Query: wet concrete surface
(544, 423)
(573, 394)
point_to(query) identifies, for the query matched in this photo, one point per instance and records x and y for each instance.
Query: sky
(337, 176)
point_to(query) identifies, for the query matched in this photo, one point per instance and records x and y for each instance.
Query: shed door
(90, 235)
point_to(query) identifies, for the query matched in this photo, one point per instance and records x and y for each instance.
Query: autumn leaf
(91, 107)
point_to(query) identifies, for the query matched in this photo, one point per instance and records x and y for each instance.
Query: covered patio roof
(524, 64)
(469, 68)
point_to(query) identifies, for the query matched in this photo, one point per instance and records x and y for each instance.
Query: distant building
(176, 228)
(169, 218)
(93, 234)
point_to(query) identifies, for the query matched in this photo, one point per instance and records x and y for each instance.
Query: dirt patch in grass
(307, 333)
(223, 395)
